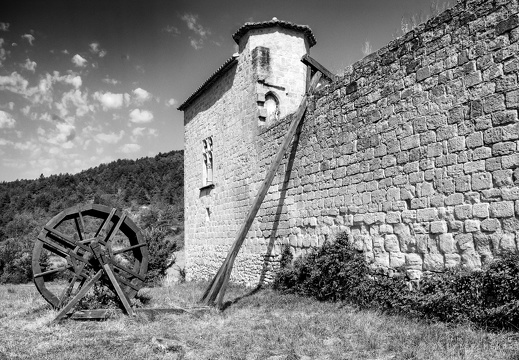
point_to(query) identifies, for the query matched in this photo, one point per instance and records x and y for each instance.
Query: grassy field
(263, 325)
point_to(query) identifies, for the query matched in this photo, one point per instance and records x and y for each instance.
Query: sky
(85, 82)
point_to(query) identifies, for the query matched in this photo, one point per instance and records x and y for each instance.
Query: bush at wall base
(337, 272)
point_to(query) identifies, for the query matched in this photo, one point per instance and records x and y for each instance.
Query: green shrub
(161, 256)
(337, 272)
(15, 262)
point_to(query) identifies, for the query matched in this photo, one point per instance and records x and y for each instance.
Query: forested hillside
(26, 205)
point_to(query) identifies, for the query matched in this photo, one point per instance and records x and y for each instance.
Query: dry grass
(259, 326)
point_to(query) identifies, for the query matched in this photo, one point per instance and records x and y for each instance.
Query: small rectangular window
(208, 161)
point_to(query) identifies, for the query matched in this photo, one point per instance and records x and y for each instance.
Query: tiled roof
(275, 22)
(216, 75)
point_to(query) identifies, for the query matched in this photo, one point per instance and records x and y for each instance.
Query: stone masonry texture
(414, 151)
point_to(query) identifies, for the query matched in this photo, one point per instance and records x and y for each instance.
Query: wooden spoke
(67, 290)
(57, 235)
(130, 248)
(115, 228)
(53, 271)
(105, 223)
(134, 274)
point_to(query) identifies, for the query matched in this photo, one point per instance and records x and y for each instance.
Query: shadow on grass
(241, 297)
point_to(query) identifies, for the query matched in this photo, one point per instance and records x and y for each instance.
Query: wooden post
(216, 289)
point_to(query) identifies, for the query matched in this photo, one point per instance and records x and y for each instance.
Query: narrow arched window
(272, 107)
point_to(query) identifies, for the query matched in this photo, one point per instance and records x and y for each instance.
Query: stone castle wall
(414, 151)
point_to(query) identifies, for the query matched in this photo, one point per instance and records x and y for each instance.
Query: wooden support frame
(316, 66)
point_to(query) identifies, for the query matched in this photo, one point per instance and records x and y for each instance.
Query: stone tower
(224, 119)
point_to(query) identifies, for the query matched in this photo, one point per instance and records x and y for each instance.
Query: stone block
(480, 210)
(507, 243)
(504, 117)
(463, 212)
(510, 193)
(452, 260)
(470, 260)
(422, 240)
(438, 227)
(382, 259)
(482, 152)
(474, 166)
(508, 24)
(433, 262)
(462, 184)
(492, 136)
(410, 142)
(504, 148)
(510, 161)
(396, 259)
(413, 261)
(502, 209)
(474, 140)
(434, 149)
(503, 178)
(482, 180)
(482, 244)
(446, 243)
(425, 215)
(493, 103)
(465, 241)
(391, 243)
(472, 225)
(393, 217)
(456, 143)
(423, 73)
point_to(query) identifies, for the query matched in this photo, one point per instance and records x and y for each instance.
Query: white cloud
(46, 117)
(66, 132)
(171, 102)
(171, 30)
(192, 23)
(201, 33)
(29, 38)
(14, 83)
(9, 105)
(71, 79)
(130, 148)
(6, 120)
(65, 52)
(74, 100)
(110, 100)
(29, 65)
(138, 131)
(4, 26)
(196, 44)
(79, 61)
(111, 138)
(107, 80)
(141, 131)
(141, 116)
(141, 95)
(96, 49)
(25, 110)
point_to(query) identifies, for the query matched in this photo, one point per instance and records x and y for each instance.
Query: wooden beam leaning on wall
(215, 292)
(316, 66)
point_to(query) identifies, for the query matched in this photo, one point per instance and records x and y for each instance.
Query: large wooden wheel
(96, 244)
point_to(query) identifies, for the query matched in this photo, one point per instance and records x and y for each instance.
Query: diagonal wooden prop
(216, 289)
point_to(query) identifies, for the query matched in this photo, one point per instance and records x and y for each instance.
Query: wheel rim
(67, 236)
